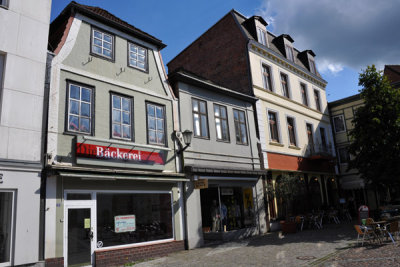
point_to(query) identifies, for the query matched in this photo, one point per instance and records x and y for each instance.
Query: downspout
(42, 218)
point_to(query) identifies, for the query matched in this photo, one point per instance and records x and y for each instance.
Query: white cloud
(351, 33)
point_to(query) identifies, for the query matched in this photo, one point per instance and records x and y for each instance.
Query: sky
(345, 35)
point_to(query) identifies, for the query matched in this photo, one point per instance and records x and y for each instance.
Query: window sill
(294, 147)
(224, 141)
(200, 137)
(2, 6)
(102, 57)
(275, 144)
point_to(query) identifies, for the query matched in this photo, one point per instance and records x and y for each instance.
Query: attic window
(102, 44)
(312, 66)
(289, 52)
(261, 36)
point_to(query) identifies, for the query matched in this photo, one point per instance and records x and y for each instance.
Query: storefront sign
(226, 191)
(201, 184)
(124, 223)
(115, 153)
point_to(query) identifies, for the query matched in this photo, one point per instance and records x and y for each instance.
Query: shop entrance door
(79, 242)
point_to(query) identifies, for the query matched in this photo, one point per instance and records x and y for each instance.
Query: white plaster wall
(193, 216)
(27, 204)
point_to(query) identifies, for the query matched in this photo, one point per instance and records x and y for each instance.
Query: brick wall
(117, 257)
(219, 55)
(55, 262)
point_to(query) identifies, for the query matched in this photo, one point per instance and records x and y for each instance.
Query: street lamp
(187, 139)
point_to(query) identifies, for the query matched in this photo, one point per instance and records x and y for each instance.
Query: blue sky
(346, 35)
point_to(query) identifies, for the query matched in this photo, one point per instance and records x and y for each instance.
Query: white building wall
(24, 29)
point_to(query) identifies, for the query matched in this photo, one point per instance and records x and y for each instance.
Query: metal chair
(364, 232)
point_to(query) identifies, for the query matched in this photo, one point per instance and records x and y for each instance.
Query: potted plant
(285, 190)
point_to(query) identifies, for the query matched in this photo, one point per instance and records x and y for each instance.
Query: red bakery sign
(116, 153)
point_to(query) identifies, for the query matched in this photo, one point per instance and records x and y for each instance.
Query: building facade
(224, 198)
(292, 117)
(23, 46)
(113, 187)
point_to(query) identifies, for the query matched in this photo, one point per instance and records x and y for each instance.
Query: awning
(100, 177)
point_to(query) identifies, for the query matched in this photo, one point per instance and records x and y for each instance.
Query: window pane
(126, 104)
(84, 125)
(160, 112)
(202, 107)
(107, 45)
(133, 62)
(141, 65)
(107, 53)
(243, 132)
(97, 42)
(142, 51)
(241, 116)
(151, 110)
(116, 102)
(73, 123)
(133, 48)
(235, 115)
(218, 127)
(152, 136)
(97, 49)
(223, 112)
(195, 105)
(126, 130)
(126, 118)
(107, 38)
(116, 130)
(85, 109)
(216, 111)
(196, 124)
(6, 205)
(152, 212)
(204, 129)
(152, 123)
(160, 137)
(224, 130)
(116, 115)
(160, 125)
(74, 107)
(98, 34)
(74, 92)
(141, 58)
(86, 95)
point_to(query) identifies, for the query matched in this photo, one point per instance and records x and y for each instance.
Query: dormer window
(289, 52)
(312, 66)
(261, 36)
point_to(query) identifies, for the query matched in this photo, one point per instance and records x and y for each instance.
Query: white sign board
(124, 223)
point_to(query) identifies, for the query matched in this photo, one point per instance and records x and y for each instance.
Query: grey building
(224, 197)
(24, 27)
(112, 190)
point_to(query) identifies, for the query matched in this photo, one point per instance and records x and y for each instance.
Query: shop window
(6, 222)
(240, 127)
(200, 118)
(155, 124)
(128, 218)
(221, 123)
(80, 108)
(121, 117)
(338, 123)
(102, 44)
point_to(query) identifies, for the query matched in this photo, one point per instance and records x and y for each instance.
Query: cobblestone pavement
(370, 255)
(309, 247)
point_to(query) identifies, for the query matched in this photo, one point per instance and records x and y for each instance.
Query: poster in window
(124, 223)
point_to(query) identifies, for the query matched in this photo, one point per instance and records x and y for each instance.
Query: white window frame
(121, 112)
(138, 47)
(294, 130)
(262, 36)
(91, 103)
(287, 84)
(263, 64)
(103, 34)
(8, 263)
(278, 126)
(344, 123)
(164, 143)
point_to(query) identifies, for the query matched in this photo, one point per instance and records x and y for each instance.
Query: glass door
(79, 234)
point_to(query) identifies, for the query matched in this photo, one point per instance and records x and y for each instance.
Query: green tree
(376, 133)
